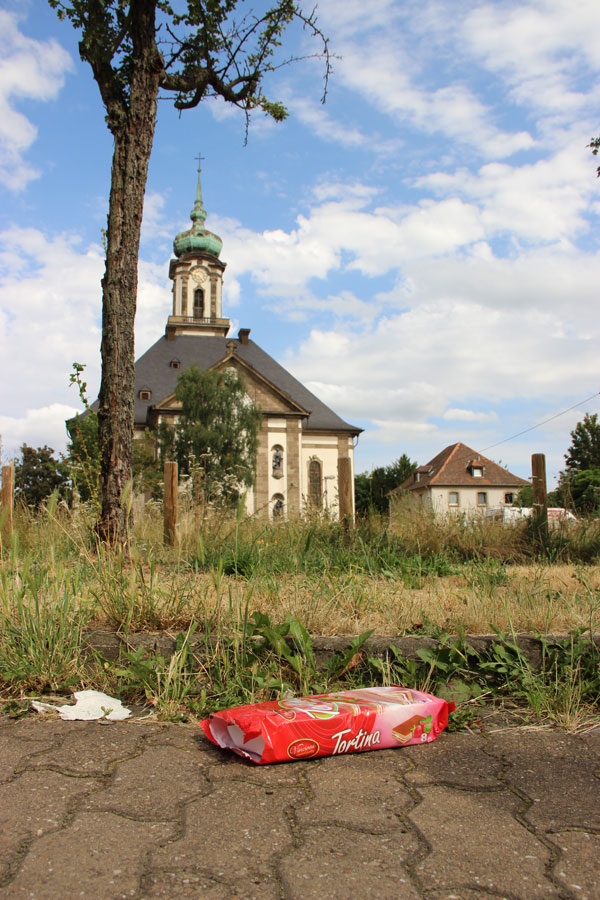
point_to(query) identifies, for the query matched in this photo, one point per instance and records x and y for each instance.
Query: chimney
(243, 334)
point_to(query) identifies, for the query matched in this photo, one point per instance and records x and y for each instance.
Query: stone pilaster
(293, 437)
(262, 471)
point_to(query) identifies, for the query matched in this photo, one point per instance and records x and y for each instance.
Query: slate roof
(153, 372)
(450, 468)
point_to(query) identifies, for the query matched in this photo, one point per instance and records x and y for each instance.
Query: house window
(453, 498)
(277, 461)
(145, 395)
(175, 364)
(481, 498)
(477, 471)
(509, 498)
(277, 507)
(315, 483)
(198, 303)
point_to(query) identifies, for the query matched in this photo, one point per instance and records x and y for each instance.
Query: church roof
(154, 372)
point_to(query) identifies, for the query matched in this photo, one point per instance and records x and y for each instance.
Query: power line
(539, 424)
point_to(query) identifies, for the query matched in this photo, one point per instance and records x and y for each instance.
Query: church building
(300, 439)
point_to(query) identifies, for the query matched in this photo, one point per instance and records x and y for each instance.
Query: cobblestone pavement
(137, 810)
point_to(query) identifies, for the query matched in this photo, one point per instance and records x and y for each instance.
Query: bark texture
(132, 123)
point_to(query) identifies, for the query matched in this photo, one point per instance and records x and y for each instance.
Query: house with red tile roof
(460, 480)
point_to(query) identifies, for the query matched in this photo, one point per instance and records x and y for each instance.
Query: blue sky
(421, 251)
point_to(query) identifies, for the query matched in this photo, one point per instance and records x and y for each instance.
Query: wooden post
(170, 504)
(540, 499)
(7, 500)
(345, 494)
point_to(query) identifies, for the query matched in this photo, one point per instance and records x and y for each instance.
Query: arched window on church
(277, 461)
(198, 303)
(315, 483)
(277, 506)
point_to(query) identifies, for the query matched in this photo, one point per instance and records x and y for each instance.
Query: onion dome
(197, 239)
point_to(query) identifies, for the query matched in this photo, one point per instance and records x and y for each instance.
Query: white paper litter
(88, 705)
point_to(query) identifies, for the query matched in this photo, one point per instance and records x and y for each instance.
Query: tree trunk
(133, 132)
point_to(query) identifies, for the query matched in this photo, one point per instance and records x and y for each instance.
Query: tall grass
(253, 593)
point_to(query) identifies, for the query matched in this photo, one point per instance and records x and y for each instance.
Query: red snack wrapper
(329, 724)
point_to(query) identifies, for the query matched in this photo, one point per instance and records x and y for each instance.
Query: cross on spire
(198, 213)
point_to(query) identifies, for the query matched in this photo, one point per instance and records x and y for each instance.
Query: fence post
(345, 495)
(540, 499)
(7, 500)
(170, 504)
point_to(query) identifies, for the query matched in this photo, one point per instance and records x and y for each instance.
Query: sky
(421, 250)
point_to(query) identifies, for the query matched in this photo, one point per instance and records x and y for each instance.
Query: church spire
(199, 213)
(198, 239)
(197, 276)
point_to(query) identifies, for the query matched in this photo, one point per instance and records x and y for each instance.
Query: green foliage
(583, 490)
(594, 146)
(147, 465)
(198, 48)
(41, 625)
(371, 490)
(217, 430)
(525, 497)
(38, 474)
(584, 452)
(83, 455)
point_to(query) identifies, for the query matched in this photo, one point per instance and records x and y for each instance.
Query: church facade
(301, 440)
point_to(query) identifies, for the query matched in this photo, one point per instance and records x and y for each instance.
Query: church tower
(197, 276)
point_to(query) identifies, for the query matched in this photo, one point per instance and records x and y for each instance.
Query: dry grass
(159, 589)
(545, 599)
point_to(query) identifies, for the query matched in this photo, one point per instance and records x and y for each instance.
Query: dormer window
(476, 468)
(145, 395)
(417, 476)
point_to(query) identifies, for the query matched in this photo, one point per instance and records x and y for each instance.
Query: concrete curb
(110, 644)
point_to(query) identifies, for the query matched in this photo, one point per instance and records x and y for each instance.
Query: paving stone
(16, 752)
(236, 830)
(575, 868)
(91, 747)
(279, 775)
(153, 787)
(465, 894)
(98, 857)
(592, 741)
(191, 885)
(185, 737)
(457, 759)
(40, 728)
(33, 804)
(477, 843)
(352, 792)
(520, 744)
(538, 768)
(336, 863)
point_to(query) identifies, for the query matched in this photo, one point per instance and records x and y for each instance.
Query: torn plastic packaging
(329, 724)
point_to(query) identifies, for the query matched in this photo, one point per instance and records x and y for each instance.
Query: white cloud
(40, 427)
(317, 118)
(543, 201)
(29, 69)
(539, 47)
(469, 415)
(50, 308)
